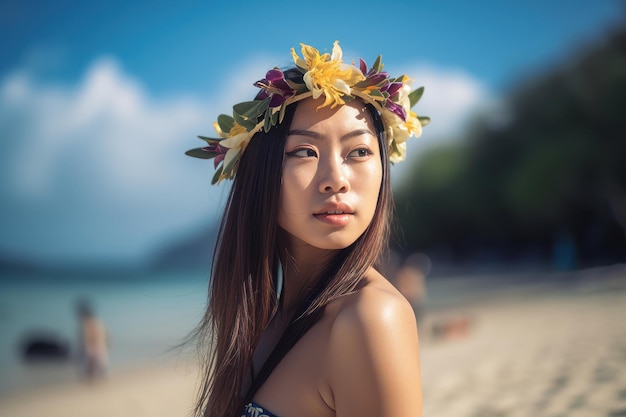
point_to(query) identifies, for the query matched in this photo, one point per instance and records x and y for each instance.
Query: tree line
(543, 183)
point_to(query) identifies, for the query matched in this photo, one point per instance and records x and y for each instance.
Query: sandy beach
(540, 352)
(165, 389)
(531, 350)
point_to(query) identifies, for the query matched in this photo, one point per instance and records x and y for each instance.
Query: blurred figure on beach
(410, 280)
(94, 340)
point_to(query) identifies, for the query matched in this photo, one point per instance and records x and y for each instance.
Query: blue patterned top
(255, 410)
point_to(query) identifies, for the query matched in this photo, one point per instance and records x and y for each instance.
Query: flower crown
(323, 75)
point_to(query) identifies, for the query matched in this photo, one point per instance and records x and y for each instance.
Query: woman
(299, 321)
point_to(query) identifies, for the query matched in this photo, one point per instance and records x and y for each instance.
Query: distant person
(94, 354)
(410, 280)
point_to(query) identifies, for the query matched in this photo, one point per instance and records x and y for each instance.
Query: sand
(542, 352)
(533, 351)
(164, 389)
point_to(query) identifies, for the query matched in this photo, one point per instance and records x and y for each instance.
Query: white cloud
(97, 169)
(451, 99)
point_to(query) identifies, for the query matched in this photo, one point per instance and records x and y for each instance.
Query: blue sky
(98, 100)
(180, 46)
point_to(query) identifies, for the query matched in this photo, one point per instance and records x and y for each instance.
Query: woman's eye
(303, 153)
(360, 153)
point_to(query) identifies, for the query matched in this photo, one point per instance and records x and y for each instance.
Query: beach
(557, 351)
(543, 348)
(164, 389)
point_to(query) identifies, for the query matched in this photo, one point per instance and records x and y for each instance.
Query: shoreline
(551, 347)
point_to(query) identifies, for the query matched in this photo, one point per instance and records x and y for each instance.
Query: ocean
(146, 318)
(147, 315)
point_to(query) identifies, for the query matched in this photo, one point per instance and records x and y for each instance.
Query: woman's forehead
(353, 114)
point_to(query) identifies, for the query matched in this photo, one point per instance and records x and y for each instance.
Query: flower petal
(231, 155)
(398, 154)
(219, 158)
(217, 128)
(396, 109)
(297, 60)
(342, 86)
(236, 141)
(337, 54)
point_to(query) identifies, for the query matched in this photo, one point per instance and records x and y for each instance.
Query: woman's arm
(374, 357)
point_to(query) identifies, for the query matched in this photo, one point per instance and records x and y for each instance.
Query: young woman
(299, 321)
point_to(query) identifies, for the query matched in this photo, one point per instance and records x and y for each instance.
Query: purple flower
(396, 109)
(218, 150)
(392, 88)
(274, 86)
(373, 79)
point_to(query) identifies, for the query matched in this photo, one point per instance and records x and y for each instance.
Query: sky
(100, 100)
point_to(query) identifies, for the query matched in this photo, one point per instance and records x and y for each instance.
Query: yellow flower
(401, 130)
(413, 125)
(395, 127)
(327, 74)
(234, 131)
(403, 94)
(398, 154)
(235, 140)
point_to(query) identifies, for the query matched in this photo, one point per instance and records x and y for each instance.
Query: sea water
(146, 317)
(146, 314)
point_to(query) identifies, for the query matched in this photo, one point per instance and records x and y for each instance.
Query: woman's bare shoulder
(374, 352)
(376, 301)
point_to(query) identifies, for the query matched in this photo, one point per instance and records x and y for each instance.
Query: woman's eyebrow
(319, 136)
(308, 133)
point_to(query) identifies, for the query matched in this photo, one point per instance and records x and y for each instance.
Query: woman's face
(332, 175)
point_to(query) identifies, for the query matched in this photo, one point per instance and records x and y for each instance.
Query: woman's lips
(334, 218)
(335, 213)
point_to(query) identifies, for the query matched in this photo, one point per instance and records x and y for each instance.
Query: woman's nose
(333, 176)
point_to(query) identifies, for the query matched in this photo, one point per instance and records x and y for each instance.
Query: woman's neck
(301, 269)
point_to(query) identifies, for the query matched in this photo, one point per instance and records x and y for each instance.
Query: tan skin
(362, 357)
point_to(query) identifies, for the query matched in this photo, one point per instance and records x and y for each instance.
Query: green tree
(556, 170)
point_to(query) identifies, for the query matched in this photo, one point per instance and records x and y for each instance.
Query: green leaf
(227, 169)
(200, 153)
(225, 122)
(378, 64)
(415, 96)
(377, 93)
(211, 141)
(301, 69)
(275, 118)
(424, 120)
(267, 125)
(247, 123)
(217, 175)
(365, 83)
(247, 113)
(252, 109)
(296, 86)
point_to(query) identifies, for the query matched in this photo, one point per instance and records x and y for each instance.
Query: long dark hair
(243, 291)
